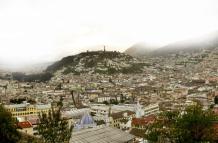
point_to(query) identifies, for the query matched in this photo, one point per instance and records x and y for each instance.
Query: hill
(190, 46)
(205, 42)
(102, 62)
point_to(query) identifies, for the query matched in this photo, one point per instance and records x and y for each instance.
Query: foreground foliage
(8, 129)
(194, 125)
(53, 129)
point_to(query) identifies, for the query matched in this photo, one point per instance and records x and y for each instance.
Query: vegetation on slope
(103, 62)
(40, 77)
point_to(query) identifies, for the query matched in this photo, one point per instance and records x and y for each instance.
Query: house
(116, 119)
(92, 93)
(25, 127)
(143, 122)
(151, 109)
(99, 110)
(102, 99)
(139, 126)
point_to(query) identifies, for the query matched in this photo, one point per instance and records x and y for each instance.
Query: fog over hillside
(206, 41)
(30, 68)
(190, 45)
(141, 49)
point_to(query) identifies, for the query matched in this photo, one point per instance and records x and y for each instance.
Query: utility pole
(104, 48)
(0, 98)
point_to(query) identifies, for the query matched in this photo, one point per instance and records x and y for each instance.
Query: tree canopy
(193, 125)
(40, 77)
(54, 129)
(216, 99)
(8, 129)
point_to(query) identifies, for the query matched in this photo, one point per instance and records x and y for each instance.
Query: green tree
(163, 129)
(194, 125)
(53, 128)
(8, 129)
(105, 102)
(100, 122)
(25, 138)
(216, 99)
(113, 101)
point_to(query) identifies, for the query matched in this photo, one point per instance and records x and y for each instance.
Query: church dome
(86, 120)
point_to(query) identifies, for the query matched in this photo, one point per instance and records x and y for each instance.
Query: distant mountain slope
(140, 50)
(106, 62)
(28, 69)
(208, 41)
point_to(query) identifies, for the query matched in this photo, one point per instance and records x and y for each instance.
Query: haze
(36, 31)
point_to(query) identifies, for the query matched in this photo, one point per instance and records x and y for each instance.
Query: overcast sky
(34, 31)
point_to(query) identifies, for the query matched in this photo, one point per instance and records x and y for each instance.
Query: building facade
(26, 109)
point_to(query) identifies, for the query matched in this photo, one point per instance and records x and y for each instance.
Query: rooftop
(144, 120)
(25, 124)
(121, 114)
(25, 105)
(101, 135)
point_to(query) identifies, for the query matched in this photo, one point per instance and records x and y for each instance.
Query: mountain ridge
(140, 49)
(204, 42)
(102, 62)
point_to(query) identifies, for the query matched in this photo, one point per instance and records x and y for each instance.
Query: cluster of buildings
(128, 102)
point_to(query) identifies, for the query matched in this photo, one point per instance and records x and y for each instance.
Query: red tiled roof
(213, 79)
(144, 120)
(25, 124)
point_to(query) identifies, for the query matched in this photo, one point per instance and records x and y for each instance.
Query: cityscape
(140, 93)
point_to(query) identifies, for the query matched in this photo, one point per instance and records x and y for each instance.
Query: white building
(103, 98)
(151, 109)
